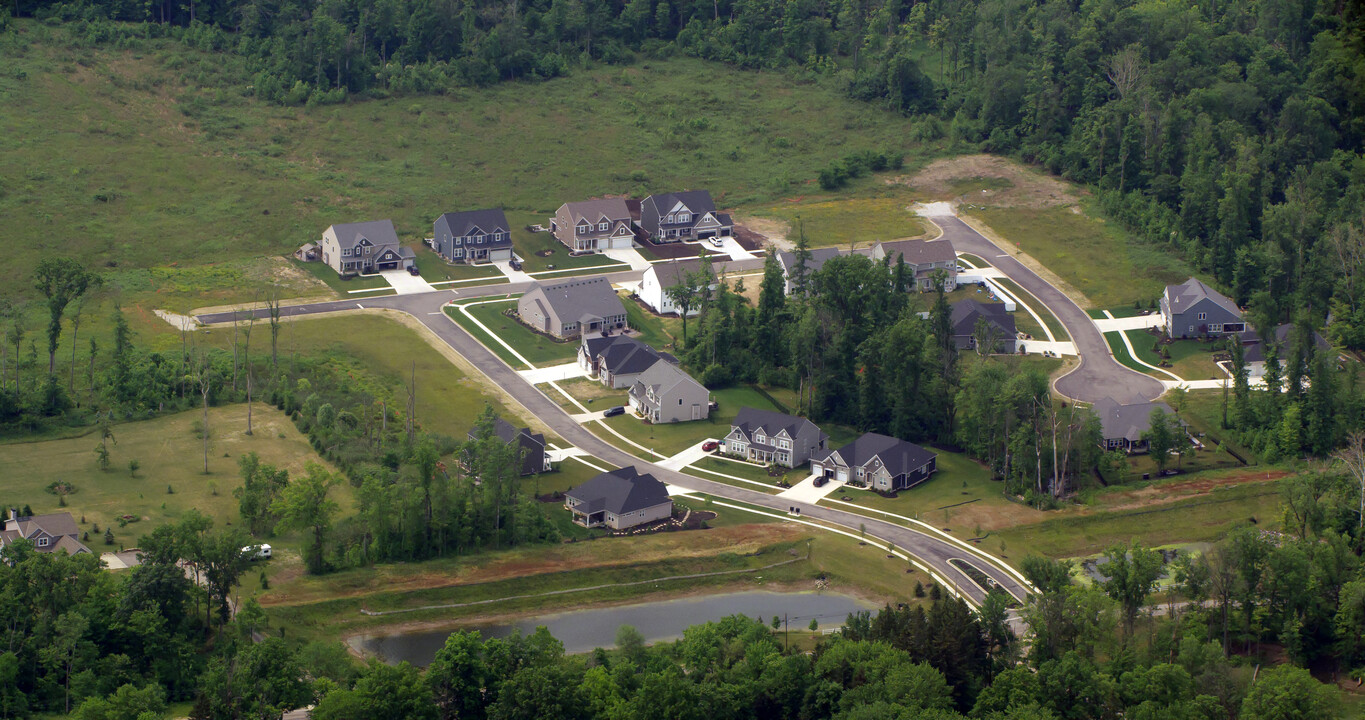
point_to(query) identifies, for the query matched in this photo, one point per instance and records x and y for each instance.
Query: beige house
(572, 308)
(620, 499)
(594, 225)
(665, 394)
(364, 247)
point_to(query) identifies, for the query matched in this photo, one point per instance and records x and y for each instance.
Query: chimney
(13, 518)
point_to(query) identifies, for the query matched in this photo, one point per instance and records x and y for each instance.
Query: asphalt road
(1099, 375)
(933, 551)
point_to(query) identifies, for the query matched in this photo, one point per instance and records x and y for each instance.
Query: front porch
(589, 520)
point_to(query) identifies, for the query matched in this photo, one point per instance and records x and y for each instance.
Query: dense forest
(1228, 132)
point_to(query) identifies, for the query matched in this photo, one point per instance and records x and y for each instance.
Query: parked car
(613, 412)
(820, 481)
(718, 242)
(514, 263)
(710, 446)
(412, 270)
(256, 552)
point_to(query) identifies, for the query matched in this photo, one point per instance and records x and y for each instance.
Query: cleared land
(847, 221)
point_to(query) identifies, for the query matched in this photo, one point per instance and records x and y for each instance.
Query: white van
(256, 552)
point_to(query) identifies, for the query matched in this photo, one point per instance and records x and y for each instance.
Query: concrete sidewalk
(553, 373)
(686, 457)
(1141, 322)
(806, 492)
(629, 256)
(406, 283)
(1037, 347)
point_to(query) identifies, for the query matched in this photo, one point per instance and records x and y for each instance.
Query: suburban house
(665, 394)
(571, 308)
(1193, 309)
(661, 277)
(818, 258)
(877, 462)
(594, 225)
(364, 247)
(1255, 351)
(964, 317)
(1123, 426)
(48, 533)
(618, 360)
(534, 459)
(674, 217)
(473, 236)
(770, 437)
(922, 260)
(620, 499)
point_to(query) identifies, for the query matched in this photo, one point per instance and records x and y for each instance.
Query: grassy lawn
(569, 473)
(738, 468)
(434, 268)
(484, 337)
(341, 285)
(1190, 359)
(657, 332)
(973, 260)
(1118, 311)
(537, 348)
(1095, 256)
(541, 251)
(593, 394)
(842, 221)
(960, 497)
(170, 452)
(1058, 331)
(1120, 351)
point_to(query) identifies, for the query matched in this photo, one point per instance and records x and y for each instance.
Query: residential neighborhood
(681, 216)
(769, 437)
(1124, 427)
(877, 462)
(1193, 309)
(472, 236)
(620, 500)
(594, 225)
(364, 247)
(572, 308)
(530, 445)
(661, 278)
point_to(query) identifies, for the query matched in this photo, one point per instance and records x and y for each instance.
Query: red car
(710, 446)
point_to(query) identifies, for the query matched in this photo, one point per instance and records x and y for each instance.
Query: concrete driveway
(406, 283)
(630, 256)
(806, 492)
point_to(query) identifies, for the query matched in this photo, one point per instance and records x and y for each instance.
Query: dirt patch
(762, 231)
(988, 179)
(1185, 489)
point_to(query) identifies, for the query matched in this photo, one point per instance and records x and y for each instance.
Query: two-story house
(769, 437)
(48, 533)
(472, 236)
(922, 261)
(1193, 309)
(877, 462)
(531, 446)
(572, 308)
(594, 225)
(690, 215)
(618, 360)
(665, 394)
(365, 247)
(662, 277)
(620, 499)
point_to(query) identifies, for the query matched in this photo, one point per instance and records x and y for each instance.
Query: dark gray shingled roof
(966, 312)
(1255, 349)
(919, 252)
(771, 422)
(898, 456)
(1186, 294)
(670, 273)
(620, 491)
(1126, 421)
(379, 232)
(576, 299)
(462, 223)
(595, 211)
(818, 258)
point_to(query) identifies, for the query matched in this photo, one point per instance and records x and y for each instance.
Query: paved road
(934, 552)
(1099, 375)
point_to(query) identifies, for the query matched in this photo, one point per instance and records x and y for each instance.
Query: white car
(256, 552)
(718, 242)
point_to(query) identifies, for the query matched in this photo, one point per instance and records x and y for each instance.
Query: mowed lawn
(170, 452)
(1094, 256)
(129, 152)
(538, 349)
(848, 221)
(672, 438)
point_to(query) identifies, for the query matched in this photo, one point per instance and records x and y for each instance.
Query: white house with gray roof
(1123, 426)
(472, 236)
(818, 258)
(877, 462)
(364, 247)
(1193, 309)
(770, 437)
(665, 394)
(679, 216)
(620, 499)
(572, 308)
(594, 225)
(922, 260)
(661, 277)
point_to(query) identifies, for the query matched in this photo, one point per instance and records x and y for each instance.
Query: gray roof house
(964, 317)
(594, 225)
(48, 533)
(1193, 309)
(620, 499)
(878, 462)
(1123, 425)
(665, 394)
(766, 436)
(663, 276)
(922, 259)
(1254, 349)
(689, 215)
(818, 258)
(618, 360)
(571, 308)
(534, 459)
(473, 236)
(364, 247)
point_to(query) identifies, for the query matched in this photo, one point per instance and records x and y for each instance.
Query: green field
(844, 222)
(1190, 359)
(1094, 256)
(541, 251)
(157, 142)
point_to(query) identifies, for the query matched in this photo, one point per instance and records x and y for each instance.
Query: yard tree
(800, 270)
(1131, 574)
(259, 680)
(220, 558)
(61, 280)
(1289, 693)
(986, 337)
(1161, 438)
(261, 486)
(383, 692)
(304, 505)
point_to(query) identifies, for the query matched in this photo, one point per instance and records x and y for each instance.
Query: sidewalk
(686, 457)
(406, 283)
(553, 373)
(806, 492)
(515, 276)
(629, 256)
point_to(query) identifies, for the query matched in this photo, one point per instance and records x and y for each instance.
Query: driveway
(806, 492)
(1099, 375)
(630, 256)
(732, 248)
(516, 276)
(406, 283)
(553, 373)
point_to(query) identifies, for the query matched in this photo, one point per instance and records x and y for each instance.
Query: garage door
(843, 474)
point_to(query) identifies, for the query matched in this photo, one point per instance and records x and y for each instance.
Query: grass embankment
(1122, 355)
(1190, 359)
(591, 393)
(844, 222)
(170, 453)
(1094, 256)
(746, 470)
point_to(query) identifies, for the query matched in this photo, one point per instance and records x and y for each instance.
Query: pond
(585, 630)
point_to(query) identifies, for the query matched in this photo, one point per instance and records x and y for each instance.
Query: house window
(498, 236)
(1215, 328)
(1234, 327)
(1191, 328)
(345, 252)
(43, 542)
(584, 228)
(602, 226)
(671, 218)
(367, 250)
(457, 253)
(1203, 316)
